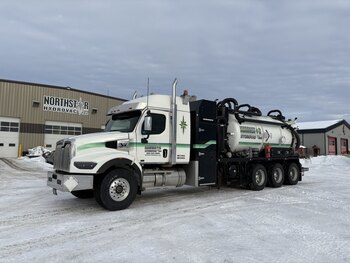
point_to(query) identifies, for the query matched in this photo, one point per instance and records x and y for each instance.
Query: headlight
(85, 165)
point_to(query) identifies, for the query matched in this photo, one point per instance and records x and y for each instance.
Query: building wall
(321, 139)
(340, 132)
(309, 140)
(26, 102)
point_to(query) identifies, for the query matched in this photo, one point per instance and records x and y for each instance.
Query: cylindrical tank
(163, 177)
(257, 133)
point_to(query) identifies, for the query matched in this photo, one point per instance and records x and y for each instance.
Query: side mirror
(148, 123)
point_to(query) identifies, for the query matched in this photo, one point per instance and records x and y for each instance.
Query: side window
(158, 124)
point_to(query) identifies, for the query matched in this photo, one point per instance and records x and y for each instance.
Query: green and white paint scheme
(131, 145)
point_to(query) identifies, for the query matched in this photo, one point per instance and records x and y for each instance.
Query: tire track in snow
(13, 165)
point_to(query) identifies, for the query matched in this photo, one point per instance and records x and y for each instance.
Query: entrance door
(9, 135)
(344, 146)
(332, 145)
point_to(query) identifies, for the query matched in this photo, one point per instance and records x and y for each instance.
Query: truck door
(154, 146)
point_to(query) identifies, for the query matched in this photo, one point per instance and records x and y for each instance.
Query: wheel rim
(277, 175)
(293, 173)
(119, 189)
(260, 177)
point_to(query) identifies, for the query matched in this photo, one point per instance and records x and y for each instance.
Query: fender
(122, 162)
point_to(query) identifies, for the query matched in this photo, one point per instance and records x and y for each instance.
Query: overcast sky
(290, 55)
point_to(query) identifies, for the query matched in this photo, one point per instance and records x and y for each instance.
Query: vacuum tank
(245, 128)
(257, 134)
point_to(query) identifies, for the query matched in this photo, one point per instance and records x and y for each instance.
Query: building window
(6, 126)
(65, 130)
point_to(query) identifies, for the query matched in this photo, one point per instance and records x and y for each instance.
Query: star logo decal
(183, 124)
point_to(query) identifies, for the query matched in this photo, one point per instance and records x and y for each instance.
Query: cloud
(291, 55)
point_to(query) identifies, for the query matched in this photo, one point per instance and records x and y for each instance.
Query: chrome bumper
(69, 182)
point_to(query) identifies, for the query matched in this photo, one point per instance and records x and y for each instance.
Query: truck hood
(91, 139)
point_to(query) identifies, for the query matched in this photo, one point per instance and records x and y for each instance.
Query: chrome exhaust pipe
(173, 122)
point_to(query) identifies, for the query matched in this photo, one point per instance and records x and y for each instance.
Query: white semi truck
(159, 141)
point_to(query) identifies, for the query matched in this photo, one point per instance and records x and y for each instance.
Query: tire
(83, 194)
(258, 177)
(292, 176)
(276, 176)
(117, 190)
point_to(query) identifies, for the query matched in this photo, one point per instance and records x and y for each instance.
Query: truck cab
(145, 144)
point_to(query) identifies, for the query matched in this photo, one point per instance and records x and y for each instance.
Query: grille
(62, 156)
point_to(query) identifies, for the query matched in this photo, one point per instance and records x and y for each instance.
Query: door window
(158, 124)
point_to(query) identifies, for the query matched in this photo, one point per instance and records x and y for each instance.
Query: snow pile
(327, 160)
(37, 151)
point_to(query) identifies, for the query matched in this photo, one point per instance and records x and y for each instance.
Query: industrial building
(34, 114)
(325, 137)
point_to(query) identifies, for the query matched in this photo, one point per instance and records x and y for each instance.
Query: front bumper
(69, 182)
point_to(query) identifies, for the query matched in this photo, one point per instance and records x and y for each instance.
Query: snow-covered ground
(309, 222)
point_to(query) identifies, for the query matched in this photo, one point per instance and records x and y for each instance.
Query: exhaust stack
(173, 122)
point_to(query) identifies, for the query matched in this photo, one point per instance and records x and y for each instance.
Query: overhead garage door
(55, 131)
(9, 134)
(344, 146)
(332, 145)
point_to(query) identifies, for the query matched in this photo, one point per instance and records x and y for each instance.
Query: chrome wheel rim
(277, 175)
(119, 189)
(260, 177)
(293, 174)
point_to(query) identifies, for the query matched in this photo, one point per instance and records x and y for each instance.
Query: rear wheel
(83, 194)
(292, 176)
(258, 177)
(117, 190)
(275, 176)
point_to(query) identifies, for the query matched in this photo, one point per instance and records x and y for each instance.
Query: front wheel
(117, 190)
(258, 177)
(292, 177)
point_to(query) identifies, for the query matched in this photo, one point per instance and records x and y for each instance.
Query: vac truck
(164, 141)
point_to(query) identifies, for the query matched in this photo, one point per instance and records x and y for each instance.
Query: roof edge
(327, 129)
(59, 87)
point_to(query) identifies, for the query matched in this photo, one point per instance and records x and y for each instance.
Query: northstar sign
(66, 105)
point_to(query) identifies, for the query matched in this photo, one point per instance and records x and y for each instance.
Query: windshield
(123, 122)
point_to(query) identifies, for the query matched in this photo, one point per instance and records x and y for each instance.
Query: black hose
(228, 103)
(255, 110)
(279, 115)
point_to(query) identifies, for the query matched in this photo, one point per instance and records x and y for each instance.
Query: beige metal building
(34, 114)
(325, 137)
